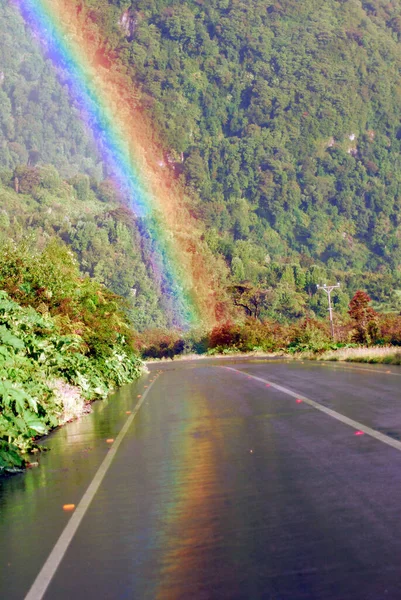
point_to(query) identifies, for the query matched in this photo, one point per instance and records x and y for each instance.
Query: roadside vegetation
(64, 341)
(387, 355)
(309, 337)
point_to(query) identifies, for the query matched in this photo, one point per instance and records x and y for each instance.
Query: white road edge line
(328, 411)
(55, 557)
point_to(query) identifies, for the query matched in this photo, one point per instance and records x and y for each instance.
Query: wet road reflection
(188, 523)
(221, 488)
(31, 515)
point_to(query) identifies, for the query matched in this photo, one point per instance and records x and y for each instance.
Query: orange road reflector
(127, 412)
(359, 433)
(388, 371)
(298, 400)
(145, 386)
(139, 396)
(110, 440)
(68, 507)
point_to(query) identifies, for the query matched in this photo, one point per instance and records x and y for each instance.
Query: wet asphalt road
(222, 488)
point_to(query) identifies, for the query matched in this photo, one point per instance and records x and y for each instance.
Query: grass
(388, 355)
(205, 356)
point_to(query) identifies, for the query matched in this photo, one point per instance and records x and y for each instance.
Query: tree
(251, 298)
(237, 269)
(365, 318)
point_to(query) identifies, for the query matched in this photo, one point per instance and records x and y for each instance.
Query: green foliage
(287, 117)
(40, 131)
(281, 119)
(310, 335)
(38, 122)
(104, 236)
(54, 325)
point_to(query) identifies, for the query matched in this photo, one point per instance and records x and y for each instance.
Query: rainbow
(128, 145)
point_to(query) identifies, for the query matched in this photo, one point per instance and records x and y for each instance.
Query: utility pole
(328, 289)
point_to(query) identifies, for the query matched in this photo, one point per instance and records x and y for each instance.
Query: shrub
(310, 335)
(54, 325)
(365, 318)
(161, 343)
(226, 335)
(390, 330)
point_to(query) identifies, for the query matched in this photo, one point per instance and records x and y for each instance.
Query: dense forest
(286, 117)
(280, 119)
(101, 232)
(38, 124)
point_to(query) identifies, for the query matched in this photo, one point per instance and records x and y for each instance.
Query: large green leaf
(8, 339)
(35, 423)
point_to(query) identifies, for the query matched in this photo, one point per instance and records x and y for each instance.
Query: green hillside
(37, 122)
(281, 120)
(102, 233)
(288, 117)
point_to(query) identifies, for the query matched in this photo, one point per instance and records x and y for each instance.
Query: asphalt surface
(221, 486)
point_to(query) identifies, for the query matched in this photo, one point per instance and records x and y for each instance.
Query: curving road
(231, 479)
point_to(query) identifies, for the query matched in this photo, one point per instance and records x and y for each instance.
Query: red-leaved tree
(365, 317)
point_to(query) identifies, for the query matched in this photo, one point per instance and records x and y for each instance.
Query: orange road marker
(139, 396)
(127, 412)
(385, 439)
(43, 579)
(110, 441)
(68, 507)
(298, 400)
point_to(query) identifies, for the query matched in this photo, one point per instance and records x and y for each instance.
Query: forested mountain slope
(281, 119)
(287, 114)
(52, 179)
(102, 234)
(37, 122)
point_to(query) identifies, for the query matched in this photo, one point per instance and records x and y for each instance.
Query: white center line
(55, 557)
(328, 411)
